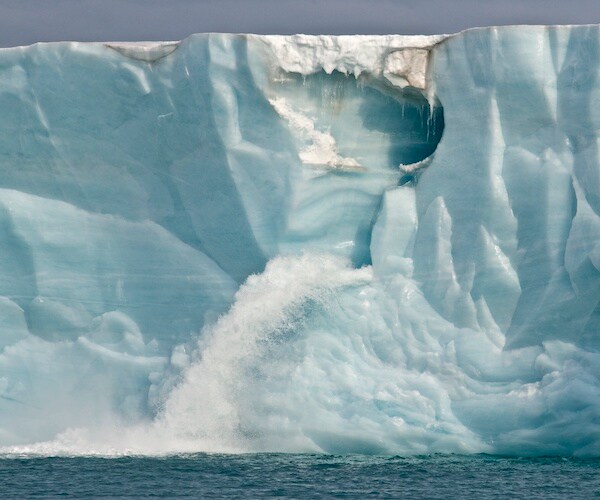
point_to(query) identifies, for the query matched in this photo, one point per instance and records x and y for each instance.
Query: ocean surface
(299, 476)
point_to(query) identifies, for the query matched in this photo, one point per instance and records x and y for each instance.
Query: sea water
(300, 476)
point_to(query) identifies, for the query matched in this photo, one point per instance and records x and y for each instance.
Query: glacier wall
(379, 244)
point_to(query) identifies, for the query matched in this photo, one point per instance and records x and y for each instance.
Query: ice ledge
(402, 60)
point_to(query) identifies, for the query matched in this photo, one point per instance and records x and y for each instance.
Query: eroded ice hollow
(377, 244)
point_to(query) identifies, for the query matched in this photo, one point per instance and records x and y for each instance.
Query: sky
(23, 22)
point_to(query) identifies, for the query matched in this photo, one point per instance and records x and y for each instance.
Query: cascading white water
(224, 396)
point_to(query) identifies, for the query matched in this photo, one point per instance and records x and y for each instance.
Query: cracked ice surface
(244, 243)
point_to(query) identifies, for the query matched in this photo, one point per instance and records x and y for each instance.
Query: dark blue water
(300, 476)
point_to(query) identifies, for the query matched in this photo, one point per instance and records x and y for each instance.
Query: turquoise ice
(343, 244)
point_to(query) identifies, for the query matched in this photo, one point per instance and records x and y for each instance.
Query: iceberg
(340, 244)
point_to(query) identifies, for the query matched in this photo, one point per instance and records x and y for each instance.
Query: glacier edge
(271, 243)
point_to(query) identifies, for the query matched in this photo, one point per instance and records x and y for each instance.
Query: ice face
(340, 244)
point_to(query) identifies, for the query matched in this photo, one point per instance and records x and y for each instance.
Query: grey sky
(28, 21)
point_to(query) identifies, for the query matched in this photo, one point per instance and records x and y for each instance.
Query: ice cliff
(378, 244)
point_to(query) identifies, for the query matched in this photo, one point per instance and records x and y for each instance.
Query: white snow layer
(401, 59)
